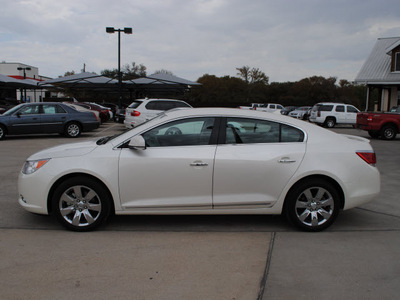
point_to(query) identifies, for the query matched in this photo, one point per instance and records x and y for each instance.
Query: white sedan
(204, 161)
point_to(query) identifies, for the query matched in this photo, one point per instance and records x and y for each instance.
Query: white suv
(329, 114)
(142, 110)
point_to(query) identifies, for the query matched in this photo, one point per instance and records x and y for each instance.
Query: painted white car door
(169, 177)
(254, 174)
(340, 114)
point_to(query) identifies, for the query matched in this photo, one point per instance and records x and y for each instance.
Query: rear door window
(352, 109)
(340, 108)
(250, 131)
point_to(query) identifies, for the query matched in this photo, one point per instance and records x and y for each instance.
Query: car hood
(66, 150)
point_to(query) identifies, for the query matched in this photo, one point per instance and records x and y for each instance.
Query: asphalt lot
(199, 257)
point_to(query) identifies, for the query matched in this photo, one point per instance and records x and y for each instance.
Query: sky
(288, 40)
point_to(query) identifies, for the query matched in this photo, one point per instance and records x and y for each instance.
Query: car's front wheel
(81, 204)
(312, 205)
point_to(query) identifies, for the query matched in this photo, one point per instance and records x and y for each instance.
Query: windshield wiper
(104, 140)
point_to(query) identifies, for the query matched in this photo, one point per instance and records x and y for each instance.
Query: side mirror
(137, 143)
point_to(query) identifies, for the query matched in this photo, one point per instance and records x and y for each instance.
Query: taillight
(369, 119)
(319, 113)
(135, 113)
(95, 116)
(368, 157)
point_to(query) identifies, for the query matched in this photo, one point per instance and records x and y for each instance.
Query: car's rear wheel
(81, 204)
(330, 122)
(73, 129)
(312, 205)
(2, 132)
(388, 132)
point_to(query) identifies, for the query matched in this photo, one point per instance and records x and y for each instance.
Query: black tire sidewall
(392, 129)
(330, 120)
(90, 183)
(294, 193)
(2, 132)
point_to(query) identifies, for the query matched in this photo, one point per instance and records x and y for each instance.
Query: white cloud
(288, 40)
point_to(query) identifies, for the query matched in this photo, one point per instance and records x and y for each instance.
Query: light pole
(24, 69)
(126, 30)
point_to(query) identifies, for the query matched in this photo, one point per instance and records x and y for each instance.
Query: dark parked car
(286, 110)
(119, 115)
(46, 117)
(104, 115)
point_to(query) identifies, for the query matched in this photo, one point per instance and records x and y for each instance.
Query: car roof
(234, 112)
(157, 99)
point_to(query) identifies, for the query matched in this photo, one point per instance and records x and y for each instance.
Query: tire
(312, 205)
(388, 132)
(81, 204)
(73, 130)
(2, 132)
(330, 122)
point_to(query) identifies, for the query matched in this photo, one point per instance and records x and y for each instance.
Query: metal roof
(376, 69)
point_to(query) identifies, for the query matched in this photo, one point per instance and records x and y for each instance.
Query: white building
(23, 71)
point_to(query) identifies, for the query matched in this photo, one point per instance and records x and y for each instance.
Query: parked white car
(142, 110)
(329, 114)
(204, 161)
(300, 112)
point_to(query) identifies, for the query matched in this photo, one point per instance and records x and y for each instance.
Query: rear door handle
(286, 160)
(198, 164)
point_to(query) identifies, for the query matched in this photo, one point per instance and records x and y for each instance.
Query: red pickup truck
(380, 125)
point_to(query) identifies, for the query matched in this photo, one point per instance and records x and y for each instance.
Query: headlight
(33, 165)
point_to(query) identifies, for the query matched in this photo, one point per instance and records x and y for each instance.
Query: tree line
(252, 85)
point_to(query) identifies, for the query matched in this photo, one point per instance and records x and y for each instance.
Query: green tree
(129, 71)
(163, 71)
(256, 82)
(68, 73)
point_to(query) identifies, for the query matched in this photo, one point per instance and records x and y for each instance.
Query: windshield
(134, 104)
(106, 139)
(12, 110)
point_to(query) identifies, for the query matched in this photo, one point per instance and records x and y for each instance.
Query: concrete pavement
(199, 257)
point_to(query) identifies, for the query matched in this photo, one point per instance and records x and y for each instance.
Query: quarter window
(248, 131)
(325, 108)
(188, 132)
